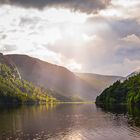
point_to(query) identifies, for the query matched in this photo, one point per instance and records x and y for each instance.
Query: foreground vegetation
(14, 90)
(127, 92)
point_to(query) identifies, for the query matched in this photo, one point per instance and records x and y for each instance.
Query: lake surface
(68, 122)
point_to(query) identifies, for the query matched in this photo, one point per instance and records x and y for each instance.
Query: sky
(92, 36)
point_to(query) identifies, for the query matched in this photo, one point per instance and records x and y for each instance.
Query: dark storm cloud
(87, 6)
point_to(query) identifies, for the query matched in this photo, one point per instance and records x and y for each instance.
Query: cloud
(103, 47)
(118, 9)
(7, 48)
(132, 39)
(125, 68)
(125, 27)
(87, 6)
(99, 43)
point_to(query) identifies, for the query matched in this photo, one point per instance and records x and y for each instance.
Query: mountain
(59, 79)
(99, 82)
(14, 90)
(51, 76)
(126, 92)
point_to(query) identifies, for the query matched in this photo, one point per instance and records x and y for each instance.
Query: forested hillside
(127, 92)
(15, 90)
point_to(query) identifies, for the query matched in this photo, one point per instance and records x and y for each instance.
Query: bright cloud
(132, 38)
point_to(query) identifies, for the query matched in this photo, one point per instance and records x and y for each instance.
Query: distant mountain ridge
(59, 78)
(99, 82)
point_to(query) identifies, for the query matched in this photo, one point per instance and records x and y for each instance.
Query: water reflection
(134, 115)
(115, 109)
(16, 121)
(131, 112)
(69, 122)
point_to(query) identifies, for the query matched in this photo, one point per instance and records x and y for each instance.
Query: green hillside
(127, 92)
(15, 90)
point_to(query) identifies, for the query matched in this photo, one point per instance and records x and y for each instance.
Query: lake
(68, 122)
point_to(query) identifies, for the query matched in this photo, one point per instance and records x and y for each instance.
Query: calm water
(69, 122)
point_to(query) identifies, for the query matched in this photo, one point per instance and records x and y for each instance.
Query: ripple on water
(67, 122)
